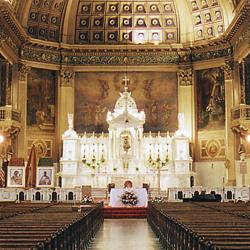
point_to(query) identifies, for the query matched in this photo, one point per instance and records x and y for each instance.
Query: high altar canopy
(125, 152)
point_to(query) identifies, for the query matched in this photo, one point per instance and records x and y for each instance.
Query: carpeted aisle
(127, 234)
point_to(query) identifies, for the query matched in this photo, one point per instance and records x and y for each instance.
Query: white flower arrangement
(87, 199)
(129, 198)
(158, 200)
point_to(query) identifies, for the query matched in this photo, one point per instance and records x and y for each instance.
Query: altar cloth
(116, 193)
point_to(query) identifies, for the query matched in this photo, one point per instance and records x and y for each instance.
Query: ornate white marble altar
(125, 152)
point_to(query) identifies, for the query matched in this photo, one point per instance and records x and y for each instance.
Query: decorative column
(23, 70)
(229, 136)
(186, 99)
(65, 104)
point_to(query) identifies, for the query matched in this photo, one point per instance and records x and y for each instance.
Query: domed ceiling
(122, 22)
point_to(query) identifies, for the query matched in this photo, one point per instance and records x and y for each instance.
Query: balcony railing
(242, 112)
(240, 117)
(7, 113)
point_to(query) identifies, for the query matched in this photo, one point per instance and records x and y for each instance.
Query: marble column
(186, 99)
(65, 104)
(229, 135)
(23, 70)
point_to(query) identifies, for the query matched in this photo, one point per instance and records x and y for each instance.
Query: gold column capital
(185, 77)
(23, 70)
(67, 77)
(228, 69)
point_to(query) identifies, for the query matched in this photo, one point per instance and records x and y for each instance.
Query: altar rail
(75, 194)
(227, 193)
(50, 226)
(9, 113)
(197, 226)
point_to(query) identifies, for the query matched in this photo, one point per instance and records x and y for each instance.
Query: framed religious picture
(45, 177)
(16, 176)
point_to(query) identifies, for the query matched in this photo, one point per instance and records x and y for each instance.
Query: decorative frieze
(185, 77)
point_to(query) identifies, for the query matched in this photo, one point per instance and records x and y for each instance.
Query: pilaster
(186, 99)
(65, 103)
(23, 71)
(229, 135)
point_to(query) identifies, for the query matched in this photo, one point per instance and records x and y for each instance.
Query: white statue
(181, 125)
(70, 120)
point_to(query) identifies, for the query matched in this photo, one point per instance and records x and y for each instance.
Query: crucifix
(125, 82)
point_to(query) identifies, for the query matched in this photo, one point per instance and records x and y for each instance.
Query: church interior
(125, 110)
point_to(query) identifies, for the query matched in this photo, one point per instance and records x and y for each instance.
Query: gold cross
(125, 82)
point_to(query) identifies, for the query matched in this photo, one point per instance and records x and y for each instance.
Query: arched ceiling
(125, 21)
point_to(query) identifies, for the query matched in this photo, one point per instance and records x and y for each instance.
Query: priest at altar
(117, 193)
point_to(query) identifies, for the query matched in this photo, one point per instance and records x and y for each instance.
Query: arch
(213, 192)
(54, 196)
(196, 193)
(37, 196)
(180, 195)
(70, 196)
(191, 181)
(21, 196)
(229, 195)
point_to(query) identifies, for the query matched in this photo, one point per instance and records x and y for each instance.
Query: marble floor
(127, 234)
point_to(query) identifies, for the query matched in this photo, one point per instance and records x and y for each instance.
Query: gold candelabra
(93, 162)
(158, 164)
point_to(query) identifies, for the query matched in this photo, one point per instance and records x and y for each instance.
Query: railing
(241, 113)
(7, 113)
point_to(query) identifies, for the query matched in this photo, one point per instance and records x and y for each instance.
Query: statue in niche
(126, 144)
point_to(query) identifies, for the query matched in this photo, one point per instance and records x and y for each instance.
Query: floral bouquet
(86, 199)
(129, 198)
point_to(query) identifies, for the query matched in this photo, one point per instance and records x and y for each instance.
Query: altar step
(125, 212)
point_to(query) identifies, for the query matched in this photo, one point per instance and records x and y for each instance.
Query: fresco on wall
(154, 92)
(41, 99)
(211, 99)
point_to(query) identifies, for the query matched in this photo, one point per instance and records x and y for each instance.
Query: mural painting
(41, 99)
(154, 92)
(211, 99)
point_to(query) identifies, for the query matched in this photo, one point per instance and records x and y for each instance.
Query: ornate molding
(185, 77)
(5, 39)
(7, 18)
(67, 77)
(23, 70)
(119, 56)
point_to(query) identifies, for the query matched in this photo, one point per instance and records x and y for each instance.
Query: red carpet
(125, 212)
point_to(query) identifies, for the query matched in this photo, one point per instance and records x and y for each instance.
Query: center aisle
(119, 234)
